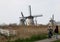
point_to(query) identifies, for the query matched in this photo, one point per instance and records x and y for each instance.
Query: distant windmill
(29, 19)
(22, 20)
(52, 21)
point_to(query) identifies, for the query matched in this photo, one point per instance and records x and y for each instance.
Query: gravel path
(49, 40)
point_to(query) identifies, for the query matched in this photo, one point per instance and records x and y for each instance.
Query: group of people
(51, 32)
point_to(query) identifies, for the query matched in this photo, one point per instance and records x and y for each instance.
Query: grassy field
(23, 32)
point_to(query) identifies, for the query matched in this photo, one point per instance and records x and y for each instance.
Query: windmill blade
(36, 20)
(22, 14)
(23, 17)
(30, 9)
(38, 16)
(53, 16)
(20, 17)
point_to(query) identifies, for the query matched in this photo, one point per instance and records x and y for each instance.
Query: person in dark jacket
(50, 32)
(56, 31)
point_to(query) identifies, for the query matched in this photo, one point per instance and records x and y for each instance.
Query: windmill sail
(30, 9)
(22, 14)
(53, 16)
(38, 16)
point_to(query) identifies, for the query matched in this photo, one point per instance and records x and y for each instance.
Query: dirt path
(49, 40)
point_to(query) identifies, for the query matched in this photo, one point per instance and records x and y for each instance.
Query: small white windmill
(52, 21)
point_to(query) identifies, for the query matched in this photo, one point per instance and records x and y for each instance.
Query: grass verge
(32, 38)
(57, 40)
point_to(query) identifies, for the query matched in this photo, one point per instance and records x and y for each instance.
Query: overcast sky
(10, 10)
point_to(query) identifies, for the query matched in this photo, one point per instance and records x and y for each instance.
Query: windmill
(29, 19)
(52, 21)
(22, 20)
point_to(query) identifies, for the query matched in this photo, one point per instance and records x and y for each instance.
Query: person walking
(56, 31)
(50, 32)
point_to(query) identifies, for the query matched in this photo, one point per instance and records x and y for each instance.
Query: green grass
(57, 41)
(32, 39)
